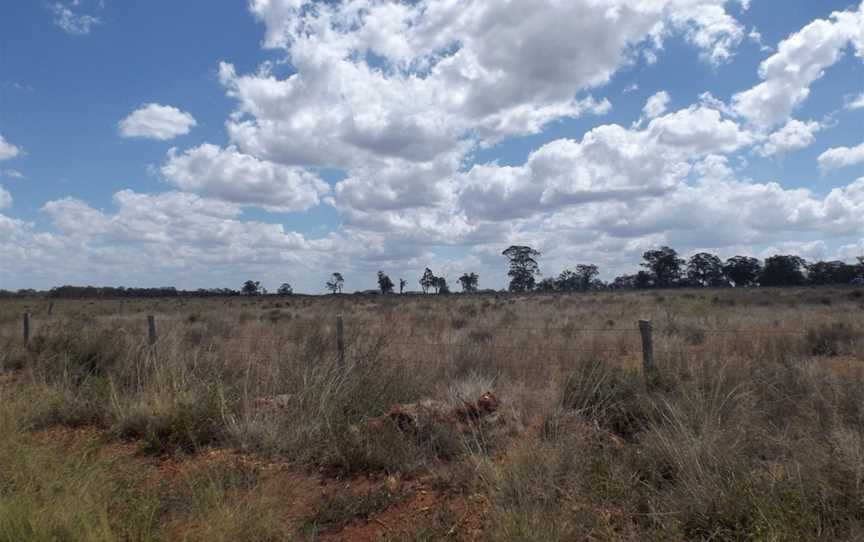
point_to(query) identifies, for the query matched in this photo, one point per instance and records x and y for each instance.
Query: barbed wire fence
(637, 341)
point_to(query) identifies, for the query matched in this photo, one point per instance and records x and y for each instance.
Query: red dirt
(299, 490)
(405, 518)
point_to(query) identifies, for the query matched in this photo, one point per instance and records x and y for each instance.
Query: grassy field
(240, 423)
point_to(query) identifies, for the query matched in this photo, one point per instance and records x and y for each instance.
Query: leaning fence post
(151, 329)
(647, 349)
(26, 328)
(340, 339)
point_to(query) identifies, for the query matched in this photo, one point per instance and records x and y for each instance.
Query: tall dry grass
(753, 429)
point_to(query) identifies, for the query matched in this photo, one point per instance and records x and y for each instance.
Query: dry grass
(753, 428)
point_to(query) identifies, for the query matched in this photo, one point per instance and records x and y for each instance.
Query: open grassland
(241, 423)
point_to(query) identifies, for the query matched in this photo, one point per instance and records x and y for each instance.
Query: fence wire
(419, 343)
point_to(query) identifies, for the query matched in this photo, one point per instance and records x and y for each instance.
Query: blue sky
(203, 143)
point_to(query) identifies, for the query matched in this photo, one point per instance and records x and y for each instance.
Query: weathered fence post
(340, 339)
(151, 329)
(50, 308)
(26, 328)
(647, 350)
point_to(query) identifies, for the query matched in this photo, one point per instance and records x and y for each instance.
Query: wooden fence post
(151, 329)
(50, 308)
(26, 328)
(340, 339)
(647, 350)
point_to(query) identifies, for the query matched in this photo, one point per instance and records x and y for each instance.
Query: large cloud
(169, 234)
(718, 211)
(609, 163)
(390, 184)
(189, 241)
(27, 253)
(232, 176)
(398, 94)
(409, 80)
(715, 210)
(800, 60)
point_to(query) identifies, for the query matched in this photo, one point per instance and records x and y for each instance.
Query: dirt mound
(412, 417)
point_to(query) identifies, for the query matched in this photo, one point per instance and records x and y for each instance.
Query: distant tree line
(429, 283)
(249, 287)
(661, 268)
(81, 292)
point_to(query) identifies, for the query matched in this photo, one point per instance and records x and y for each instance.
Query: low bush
(187, 425)
(325, 418)
(78, 352)
(832, 339)
(610, 396)
(71, 406)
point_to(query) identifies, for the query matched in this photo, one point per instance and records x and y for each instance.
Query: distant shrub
(480, 336)
(458, 323)
(693, 335)
(195, 336)
(275, 315)
(246, 316)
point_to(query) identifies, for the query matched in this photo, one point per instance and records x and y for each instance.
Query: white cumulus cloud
(8, 150)
(229, 175)
(399, 94)
(800, 60)
(441, 74)
(5, 198)
(184, 239)
(840, 157)
(609, 163)
(795, 135)
(656, 104)
(856, 103)
(155, 121)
